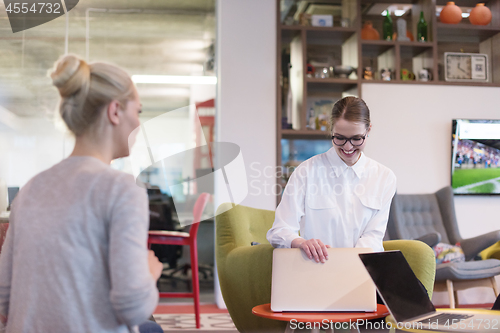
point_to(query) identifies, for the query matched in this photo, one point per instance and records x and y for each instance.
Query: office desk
(324, 320)
(496, 328)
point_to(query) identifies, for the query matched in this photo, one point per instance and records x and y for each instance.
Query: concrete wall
(246, 92)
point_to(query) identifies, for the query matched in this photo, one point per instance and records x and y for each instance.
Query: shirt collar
(339, 166)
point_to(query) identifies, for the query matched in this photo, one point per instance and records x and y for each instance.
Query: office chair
(190, 239)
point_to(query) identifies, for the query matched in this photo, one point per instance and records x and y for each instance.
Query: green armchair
(245, 270)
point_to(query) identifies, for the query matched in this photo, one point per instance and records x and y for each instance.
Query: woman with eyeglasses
(340, 198)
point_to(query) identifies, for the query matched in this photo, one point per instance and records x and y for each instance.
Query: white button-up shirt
(340, 205)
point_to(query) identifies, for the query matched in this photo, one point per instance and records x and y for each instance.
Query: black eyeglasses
(356, 141)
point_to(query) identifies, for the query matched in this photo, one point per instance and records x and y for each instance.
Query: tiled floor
(177, 314)
(210, 322)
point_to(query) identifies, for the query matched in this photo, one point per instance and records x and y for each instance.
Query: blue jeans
(150, 327)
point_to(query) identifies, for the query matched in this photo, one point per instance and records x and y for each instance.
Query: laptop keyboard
(443, 317)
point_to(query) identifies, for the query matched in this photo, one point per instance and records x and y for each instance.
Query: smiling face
(348, 129)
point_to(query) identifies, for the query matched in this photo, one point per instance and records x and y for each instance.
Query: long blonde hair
(86, 89)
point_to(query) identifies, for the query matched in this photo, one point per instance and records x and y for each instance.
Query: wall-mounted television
(475, 159)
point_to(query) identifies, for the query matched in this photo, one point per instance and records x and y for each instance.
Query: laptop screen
(402, 292)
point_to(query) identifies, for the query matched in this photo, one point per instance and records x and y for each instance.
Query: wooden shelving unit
(305, 134)
(345, 45)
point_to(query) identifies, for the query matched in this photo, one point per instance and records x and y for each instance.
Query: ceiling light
(174, 79)
(148, 91)
(396, 9)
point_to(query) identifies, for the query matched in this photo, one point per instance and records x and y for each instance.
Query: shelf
(468, 84)
(288, 34)
(305, 134)
(465, 33)
(443, 83)
(319, 35)
(336, 80)
(460, 3)
(413, 49)
(401, 82)
(374, 48)
(328, 35)
(330, 85)
(369, 2)
(311, 28)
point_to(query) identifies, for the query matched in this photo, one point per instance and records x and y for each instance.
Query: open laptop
(339, 284)
(408, 302)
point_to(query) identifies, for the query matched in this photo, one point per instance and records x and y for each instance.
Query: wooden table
(324, 320)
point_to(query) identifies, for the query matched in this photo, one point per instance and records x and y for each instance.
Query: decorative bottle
(387, 27)
(422, 29)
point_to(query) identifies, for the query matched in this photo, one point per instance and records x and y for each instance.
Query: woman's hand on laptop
(313, 248)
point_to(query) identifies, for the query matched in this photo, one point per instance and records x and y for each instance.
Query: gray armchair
(431, 218)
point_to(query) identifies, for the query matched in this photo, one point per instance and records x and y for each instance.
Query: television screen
(475, 167)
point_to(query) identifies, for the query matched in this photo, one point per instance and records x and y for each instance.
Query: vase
(480, 15)
(451, 14)
(369, 32)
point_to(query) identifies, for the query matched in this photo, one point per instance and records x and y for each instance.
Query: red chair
(184, 238)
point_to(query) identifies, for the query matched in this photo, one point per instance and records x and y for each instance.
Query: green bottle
(422, 29)
(387, 27)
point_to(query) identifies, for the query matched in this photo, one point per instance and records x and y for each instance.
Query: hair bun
(70, 75)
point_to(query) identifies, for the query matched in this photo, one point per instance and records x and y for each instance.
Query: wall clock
(465, 67)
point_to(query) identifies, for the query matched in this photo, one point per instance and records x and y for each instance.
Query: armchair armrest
(430, 239)
(246, 282)
(472, 246)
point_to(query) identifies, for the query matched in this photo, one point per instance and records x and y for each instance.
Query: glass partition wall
(158, 43)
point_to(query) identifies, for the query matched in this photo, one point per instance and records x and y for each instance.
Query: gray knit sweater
(75, 256)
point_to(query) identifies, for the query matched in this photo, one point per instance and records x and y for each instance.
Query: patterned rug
(183, 322)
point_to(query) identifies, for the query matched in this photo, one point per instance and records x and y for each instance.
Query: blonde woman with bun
(75, 257)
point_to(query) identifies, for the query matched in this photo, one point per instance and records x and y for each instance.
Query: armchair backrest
(415, 215)
(245, 271)
(240, 226)
(421, 259)
(447, 207)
